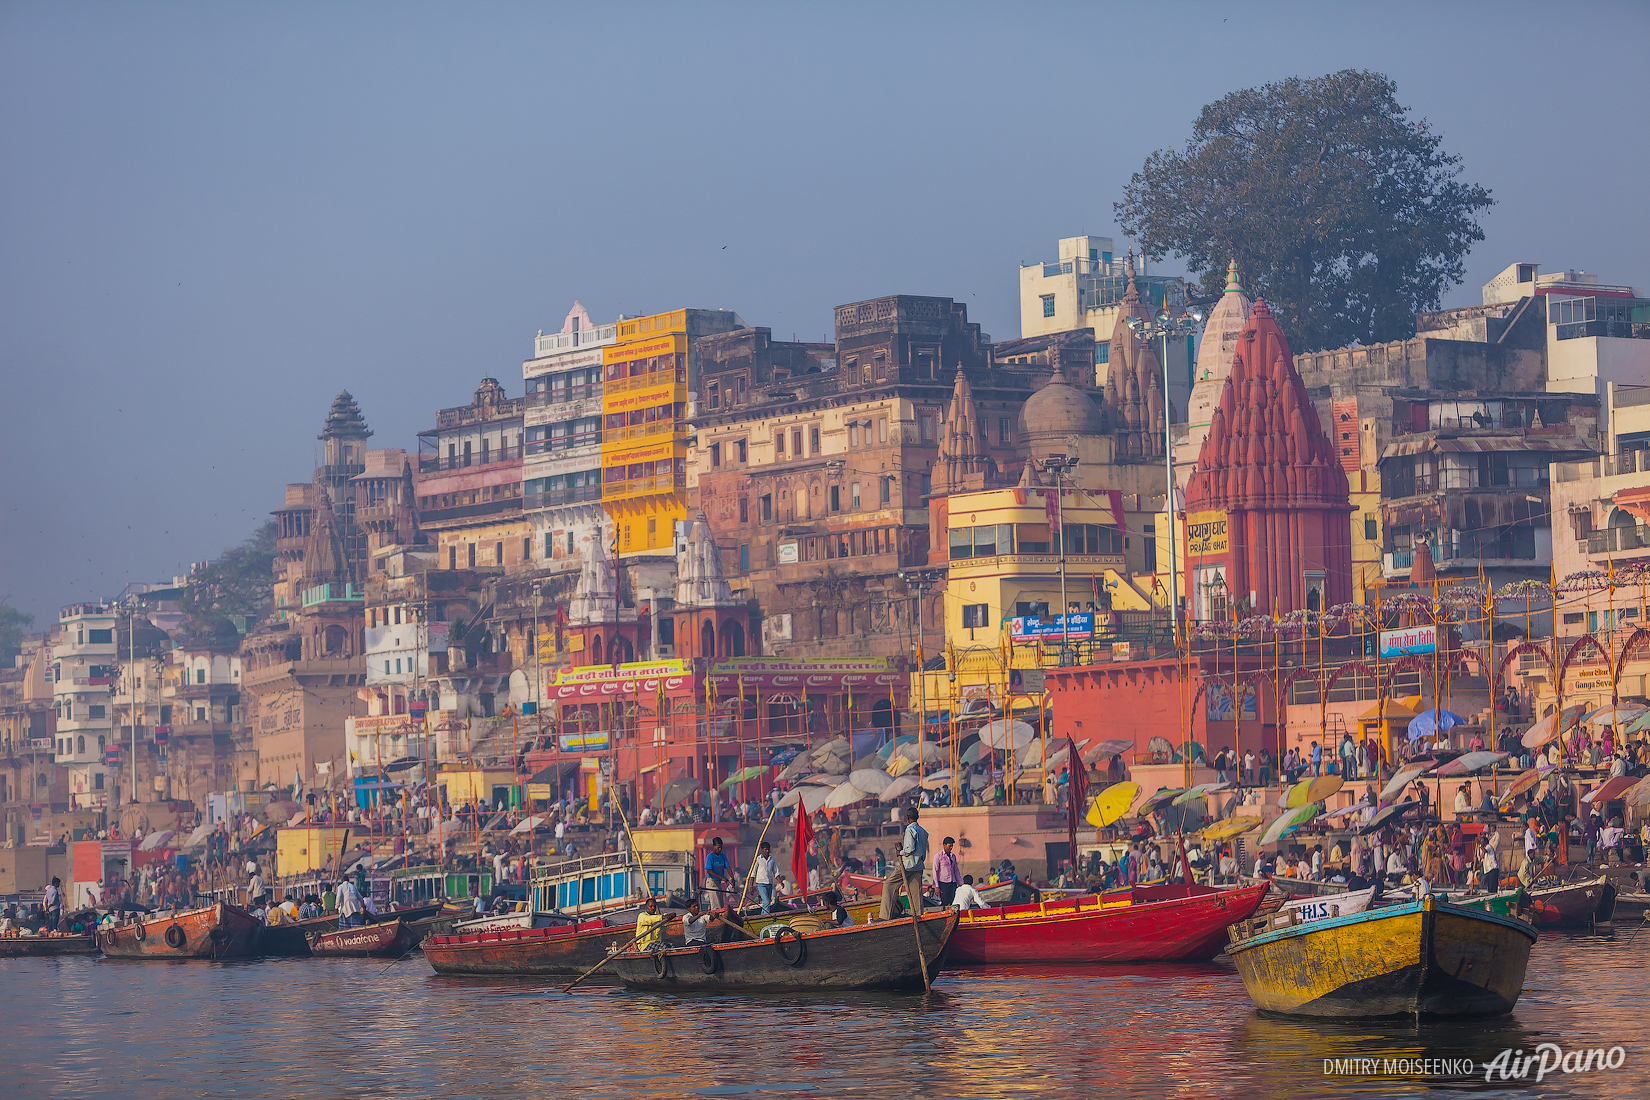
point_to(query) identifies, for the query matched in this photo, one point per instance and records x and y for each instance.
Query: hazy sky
(215, 217)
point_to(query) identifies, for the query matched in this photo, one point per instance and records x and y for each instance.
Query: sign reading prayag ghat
(1415, 639)
(1206, 533)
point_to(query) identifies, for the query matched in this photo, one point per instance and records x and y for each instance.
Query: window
(526, 549)
(779, 444)
(882, 429)
(398, 665)
(853, 496)
(741, 446)
(715, 454)
(452, 557)
(200, 676)
(744, 558)
(1370, 532)
(767, 507)
(925, 422)
(962, 542)
(569, 544)
(97, 710)
(796, 442)
(976, 616)
(813, 441)
(386, 668)
(1048, 305)
(836, 498)
(1102, 353)
(853, 435)
(498, 553)
(472, 558)
(739, 389)
(1005, 430)
(714, 395)
(885, 489)
(97, 781)
(100, 637)
(744, 509)
(1031, 609)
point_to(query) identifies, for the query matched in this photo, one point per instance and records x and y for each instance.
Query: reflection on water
(346, 1028)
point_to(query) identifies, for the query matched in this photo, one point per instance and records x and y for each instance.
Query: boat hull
(1426, 958)
(291, 940)
(880, 956)
(515, 952)
(387, 940)
(1572, 905)
(34, 947)
(1150, 924)
(218, 931)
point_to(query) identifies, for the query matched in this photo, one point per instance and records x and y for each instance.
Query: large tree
(1339, 208)
(12, 622)
(238, 583)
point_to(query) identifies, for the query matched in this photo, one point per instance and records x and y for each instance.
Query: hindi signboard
(1408, 641)
(1207, 533)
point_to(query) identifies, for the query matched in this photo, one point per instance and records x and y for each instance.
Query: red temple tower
(1268, 526)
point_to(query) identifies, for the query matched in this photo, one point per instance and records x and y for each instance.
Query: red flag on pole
(1077, 796)
(799, 848)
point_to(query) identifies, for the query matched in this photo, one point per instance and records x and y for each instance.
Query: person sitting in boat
(695, 924)
(967, 897)
(840, 917)
(650, 925)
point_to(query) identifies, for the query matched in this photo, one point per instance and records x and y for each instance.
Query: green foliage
(1342, 211)
(240, 582)
(12, 624)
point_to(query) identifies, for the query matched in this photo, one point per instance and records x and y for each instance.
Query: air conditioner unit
(666, 650)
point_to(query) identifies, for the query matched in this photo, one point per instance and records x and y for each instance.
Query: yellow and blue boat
(1421, 958)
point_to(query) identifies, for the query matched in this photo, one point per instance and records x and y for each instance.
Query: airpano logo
(1515, 1065)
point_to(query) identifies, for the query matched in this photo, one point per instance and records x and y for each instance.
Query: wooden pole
(915, 930)
(758, 853)
(568, 988)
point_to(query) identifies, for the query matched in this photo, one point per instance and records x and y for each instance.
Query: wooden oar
(922, 961)
(752, 872)
(568, 988)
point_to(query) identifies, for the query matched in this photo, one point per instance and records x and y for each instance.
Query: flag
(1077, 796)
(799, 848)
(1051, 509)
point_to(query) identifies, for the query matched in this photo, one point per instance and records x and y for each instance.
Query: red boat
(568, 950)
(218, 931)
(1143, 924)
(389, 940)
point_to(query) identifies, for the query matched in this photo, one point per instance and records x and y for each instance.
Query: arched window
(334, 640)
(1312, 599)
(707, 640)
(733, 640)
(596, 650)
(81, 743)
(100, 742)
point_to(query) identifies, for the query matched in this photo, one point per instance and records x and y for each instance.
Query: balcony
(1613, 540)
(334, 593)
(645, 381)
(659, 429)
(641, 486)
(535, 501)
(1620, 330)
(565, 395)
(431, 463)
(496, 506)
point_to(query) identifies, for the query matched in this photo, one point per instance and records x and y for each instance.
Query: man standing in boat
(767, 876)
(717, 883)
(906, 870)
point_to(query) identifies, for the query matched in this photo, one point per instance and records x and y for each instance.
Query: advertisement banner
(644, 349)
(662, 393)
(1411, 640)
(1031, 626)
(788, 553)
(644, 678)
(629, 456)
(1206, 533)
(577, 742)
(879, 674)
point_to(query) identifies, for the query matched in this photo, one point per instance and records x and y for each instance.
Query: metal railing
(1621, 330)
(577, 495)
(1614, 539)
(343, 593)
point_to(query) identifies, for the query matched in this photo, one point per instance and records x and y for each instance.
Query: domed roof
(1060, 409)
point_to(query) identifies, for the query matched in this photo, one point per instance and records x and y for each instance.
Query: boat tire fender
(175, 936)
(660, 964)
(139, 931)
(707, 959)
(801, 946)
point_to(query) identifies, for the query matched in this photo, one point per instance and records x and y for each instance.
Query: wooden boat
(1570, 904)
(220, 931)
(290, 939)
(47, 944)
(1630, 905)
(1143, 924)
(1332, 905)
(385, 940)
(567, 950)
(1424, 958)
(880, 956)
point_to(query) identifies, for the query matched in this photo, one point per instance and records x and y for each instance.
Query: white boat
(521, 918)
(1332, 905)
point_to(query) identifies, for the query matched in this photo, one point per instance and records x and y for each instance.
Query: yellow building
(1003, 591)
(307, 848)
(648, 378)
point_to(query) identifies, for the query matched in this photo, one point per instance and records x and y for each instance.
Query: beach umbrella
(845, 795)
(298, 818)
(899, 788)
(899, 765)
(936, 780)
(198, 837)
(972, 754)
(1309, 791)
(155, 840)
(896, 744)
(1109, 747)
(1058, 760)
(799, 765)
(1007, 734)
(1159, 744)
(1345, 810)
(1111, 804)
(1231, 827)
(871, 780)
(980, 782)
(527, 825)
(1288, 823)
(740, 776)
(1551, 726)
(792, 797)
(1386, 815)
(924, 752)
(1402, 778)
(1161, 798)
(1614, 714)
(1471, 762)
(1429, 722)
(1610, 788)
(814, 797)
(1200, 791)
(837, 746)
(1639, 796)
(1525, 782)
(677, 790)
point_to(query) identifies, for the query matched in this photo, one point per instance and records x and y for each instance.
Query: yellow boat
(1425, 958)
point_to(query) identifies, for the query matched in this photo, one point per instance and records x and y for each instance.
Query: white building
(84, 669)
(561, 469)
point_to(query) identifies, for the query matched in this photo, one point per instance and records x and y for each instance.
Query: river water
(348, 1028)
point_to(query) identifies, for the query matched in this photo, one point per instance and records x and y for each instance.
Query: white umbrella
(527, 825)
(1402, 780)
(835, 747)
(930, 752)
(1058, 760)
(1032, 755)
(845, 795)
(871, 780)
(936, 780)
(1613, 715)
(823, 781)
(792, 797)
(155, 840)
(298, 818)
(198, 837)
(899, 765)
(900, 787)
(814, 797)
(800, 765)
(1004, 734)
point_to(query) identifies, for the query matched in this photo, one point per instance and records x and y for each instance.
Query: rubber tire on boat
(707, 959)
(178, 940)
(140, 932)
(801, 945)
(660, 964)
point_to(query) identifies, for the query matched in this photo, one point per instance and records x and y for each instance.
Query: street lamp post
(921, 580)
(1161, 328)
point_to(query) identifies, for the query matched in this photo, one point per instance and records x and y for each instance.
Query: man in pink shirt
(946, 874)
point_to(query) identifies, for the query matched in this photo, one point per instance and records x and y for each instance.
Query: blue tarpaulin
(1422, 724)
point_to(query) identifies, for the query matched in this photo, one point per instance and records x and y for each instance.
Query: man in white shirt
(967, 897)
(695, 924)
(1490, 863)
(1394, 867)
(766, 875)
(349, 904)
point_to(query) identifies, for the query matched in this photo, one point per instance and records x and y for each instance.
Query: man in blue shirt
(717, 883)
(906, 869)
